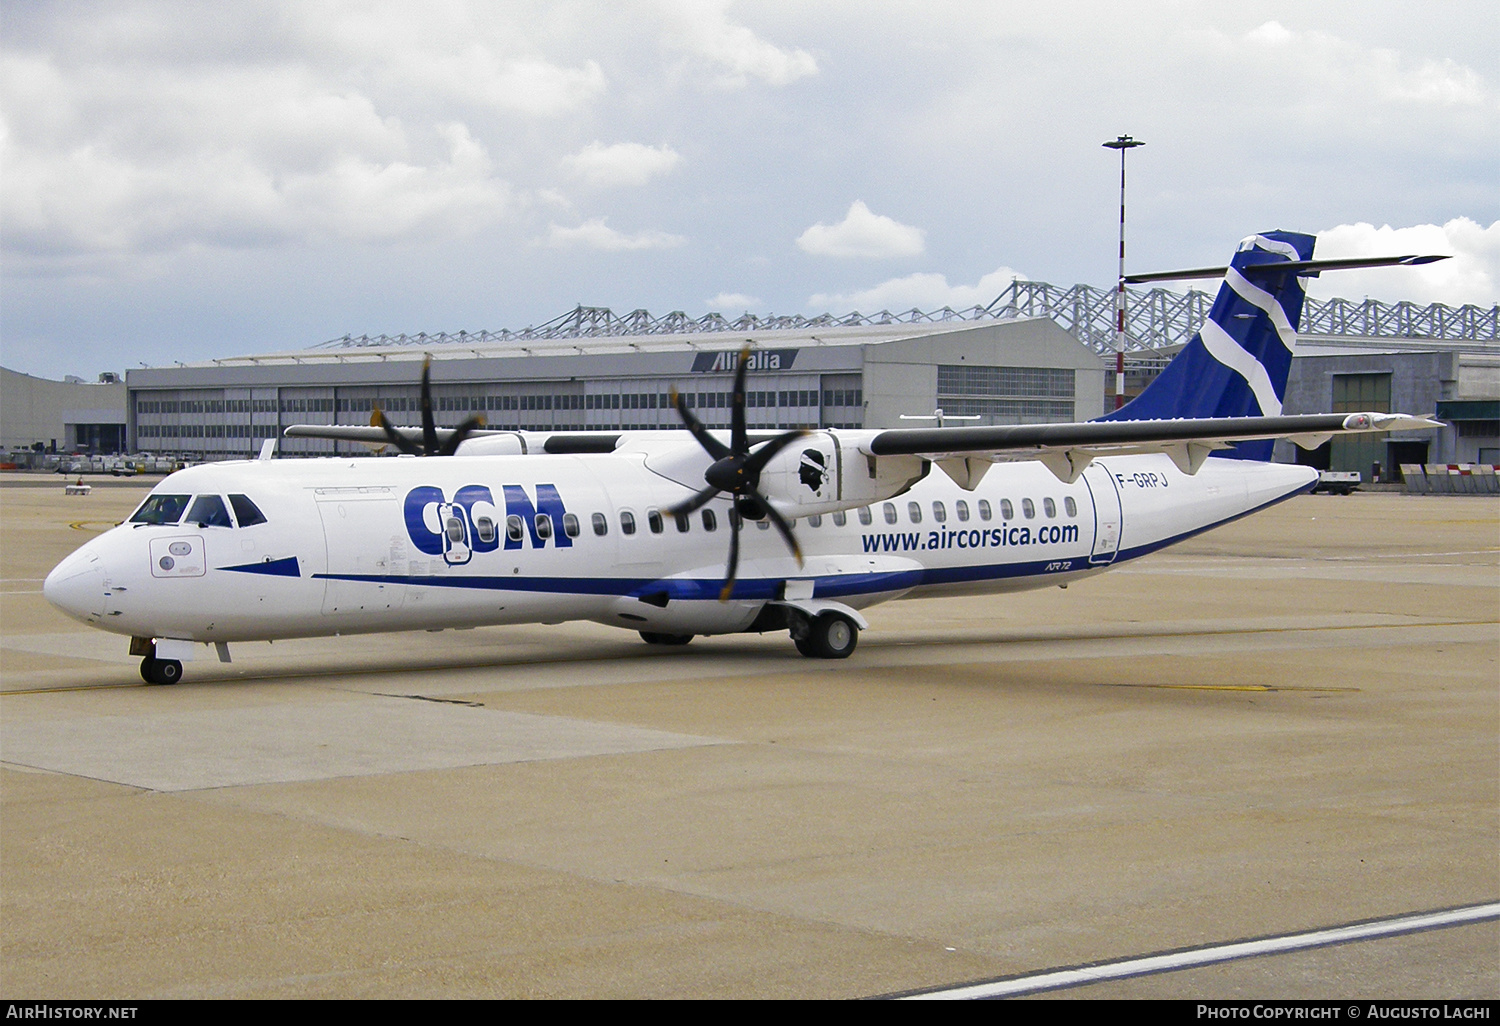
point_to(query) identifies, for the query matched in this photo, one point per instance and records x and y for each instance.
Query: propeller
(430, 446)
(736, 472)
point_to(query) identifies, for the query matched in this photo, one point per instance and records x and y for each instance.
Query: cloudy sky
(184, 181)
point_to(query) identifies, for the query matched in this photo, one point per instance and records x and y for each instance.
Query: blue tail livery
(1237, 364)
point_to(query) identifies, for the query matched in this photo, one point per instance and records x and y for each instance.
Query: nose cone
(76, 586)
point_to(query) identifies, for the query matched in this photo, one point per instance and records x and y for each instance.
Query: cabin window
(1028, 509)
(840, 519)
(601, 524)
(764, 523)
(939, 512)
(654, 521)
(710, 520)
(1070, 505)
(864, 515)
(914, 512)
(246, 511)
(570, 525)
(961, 510)
(543, 524)
(1007, 510)
(513, 528)
(1049, 507)
(455, 529)
(627, 522)
(209, 511)
(889, 509)
(816, 520)
(485, 528)
(161, 509)
(984, 509)
(683, 522)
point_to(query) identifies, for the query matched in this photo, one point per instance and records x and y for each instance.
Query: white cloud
(863, 234)
(922, 291)
(595, 234)
(702, 28)
(602, 166)
(733, 302)
(1471, 276)
(1329, 72)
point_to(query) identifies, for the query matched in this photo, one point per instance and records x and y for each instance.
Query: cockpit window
(161, 509)
(246, 512)
(209, 511)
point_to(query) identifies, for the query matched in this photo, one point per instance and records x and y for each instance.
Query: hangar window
(570, 525)
(961, 510)
(627, 522)
(1028, 509)
(160, 509)
(601, 524)
(984, 509)
(1050, 508)
(939, 512)
(889, 509)
(864, 515)
(1070, 505)
(209, 511)
(245, 511)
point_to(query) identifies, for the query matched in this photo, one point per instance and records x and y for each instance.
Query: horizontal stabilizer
(1305, 268)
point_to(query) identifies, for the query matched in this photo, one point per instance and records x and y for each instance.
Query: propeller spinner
(430, 445)
(736, 471)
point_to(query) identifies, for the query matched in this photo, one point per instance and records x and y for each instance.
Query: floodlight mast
(1122, 144)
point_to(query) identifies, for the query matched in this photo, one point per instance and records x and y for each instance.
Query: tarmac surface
(1287, 724)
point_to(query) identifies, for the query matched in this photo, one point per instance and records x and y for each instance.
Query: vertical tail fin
(1237, 364)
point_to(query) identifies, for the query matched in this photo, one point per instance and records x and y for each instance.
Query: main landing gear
(160, 671)
(825, 636)
(653, 638)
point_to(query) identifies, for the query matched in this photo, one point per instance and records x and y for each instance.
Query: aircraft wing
(518, 441)
(1066, 449)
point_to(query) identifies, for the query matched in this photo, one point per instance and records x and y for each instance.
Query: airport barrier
(1450, 479)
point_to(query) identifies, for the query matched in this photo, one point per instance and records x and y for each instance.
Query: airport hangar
(1015, 370)
(1037, 354)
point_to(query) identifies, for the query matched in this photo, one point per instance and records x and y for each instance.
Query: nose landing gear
(160, 671)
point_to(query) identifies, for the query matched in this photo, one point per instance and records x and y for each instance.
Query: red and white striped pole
(1122, 144)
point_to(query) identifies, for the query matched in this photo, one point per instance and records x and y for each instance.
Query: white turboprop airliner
(631, 530)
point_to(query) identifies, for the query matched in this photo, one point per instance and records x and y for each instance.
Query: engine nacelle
(826, 471)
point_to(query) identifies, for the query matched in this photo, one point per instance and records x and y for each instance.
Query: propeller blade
(464, 430)
(429, 428)
(732, 570)
(692, 505)
(715, 448)
(780, 522)
(760, 457)
(738, 438)
(400, 441)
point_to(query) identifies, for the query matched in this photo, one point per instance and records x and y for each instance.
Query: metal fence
(1155, 318)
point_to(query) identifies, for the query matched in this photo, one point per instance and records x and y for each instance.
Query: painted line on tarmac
(1189, 958)
(1227, 687)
